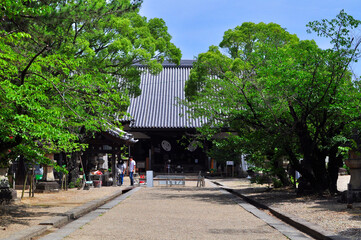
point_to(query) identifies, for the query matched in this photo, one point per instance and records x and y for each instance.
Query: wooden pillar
(151, 157)
(147, 163)
(114, 172)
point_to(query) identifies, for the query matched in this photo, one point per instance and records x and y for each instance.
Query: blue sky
(197, 24)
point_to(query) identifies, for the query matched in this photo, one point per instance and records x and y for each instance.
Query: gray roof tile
(157, 106)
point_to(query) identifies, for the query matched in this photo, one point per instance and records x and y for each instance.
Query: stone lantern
(48, 175)
(4, 182)
(354, 187)
(48, 183)
(7, 195)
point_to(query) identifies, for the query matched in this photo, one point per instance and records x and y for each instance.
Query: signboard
(230, 163)
(141, 164)
(107, 147)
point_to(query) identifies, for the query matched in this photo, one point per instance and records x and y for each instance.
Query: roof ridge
(186, 63)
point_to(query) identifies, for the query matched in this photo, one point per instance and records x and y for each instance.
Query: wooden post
(151, 151)
(26, 177)
(62, 182)
(66, 182)
(34, 186)
(114, 172)
(30, 185)
(146, 163)
(84, 178)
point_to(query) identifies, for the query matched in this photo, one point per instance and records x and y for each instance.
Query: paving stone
(57, 221)
(29, 233)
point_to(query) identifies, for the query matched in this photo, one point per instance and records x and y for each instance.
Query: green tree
(290, 95)
(67, 70)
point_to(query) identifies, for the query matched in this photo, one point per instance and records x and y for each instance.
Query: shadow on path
(209, 195)
(20, 214)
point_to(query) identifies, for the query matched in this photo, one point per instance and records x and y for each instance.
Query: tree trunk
(280, 172)
(335, 162)
(20, 172)
(313, 169)
(73, 167)
(319, 172)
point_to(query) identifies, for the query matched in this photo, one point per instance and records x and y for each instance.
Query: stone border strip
(78, 223)
(77, 212)
(65, 218)
(29, 232)
(288, 231)
(310, 229)
(57, 221)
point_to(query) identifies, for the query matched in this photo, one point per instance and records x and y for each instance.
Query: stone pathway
(174, 213)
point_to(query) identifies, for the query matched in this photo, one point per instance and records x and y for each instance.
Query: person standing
(121, 171)
(131, 170)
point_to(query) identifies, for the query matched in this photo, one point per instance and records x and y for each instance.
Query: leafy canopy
(283, 95)
(67, 69)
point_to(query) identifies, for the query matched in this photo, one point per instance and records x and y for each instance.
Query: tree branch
(61, 95)
(23, 73)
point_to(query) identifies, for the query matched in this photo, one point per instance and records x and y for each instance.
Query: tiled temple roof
(157, 106)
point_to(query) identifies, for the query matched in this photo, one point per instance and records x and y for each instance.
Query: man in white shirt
(121, 171)
(131, 170)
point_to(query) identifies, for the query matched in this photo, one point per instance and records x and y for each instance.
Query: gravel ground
(31, 211)
(325, 212)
